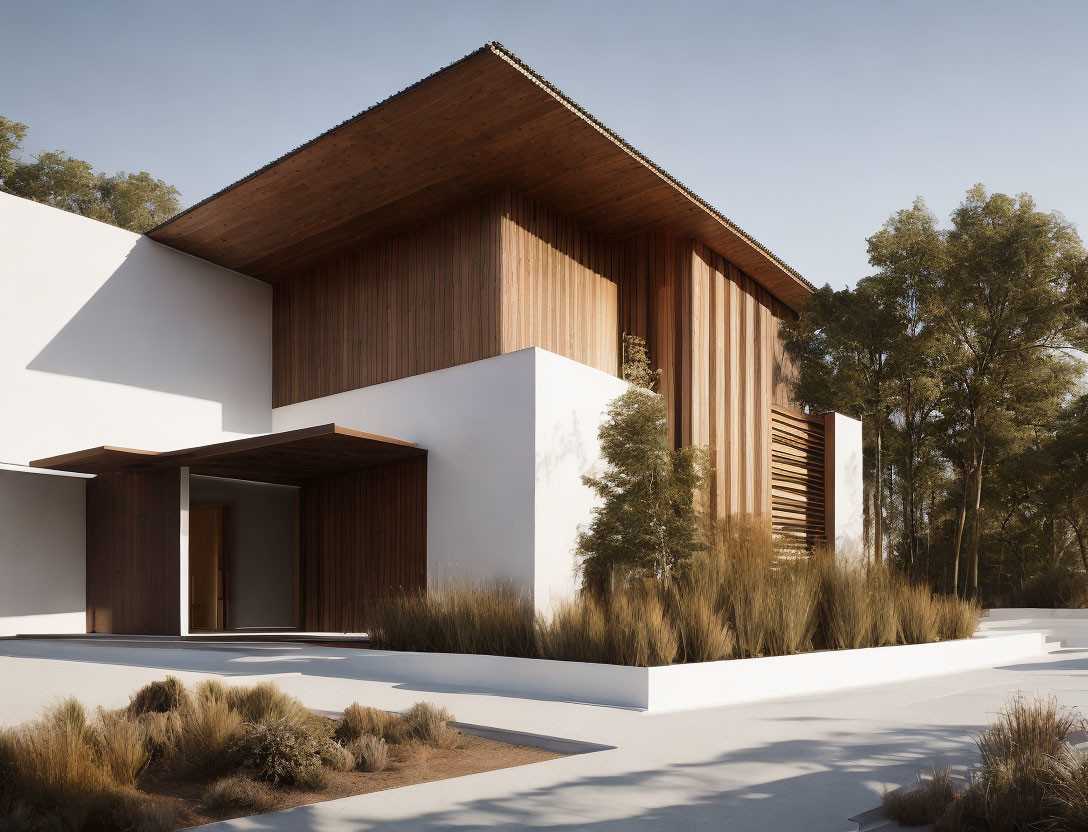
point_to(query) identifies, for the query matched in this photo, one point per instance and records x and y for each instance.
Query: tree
(646, 524)
(135, 201)
(1006, 310)
(841, 346)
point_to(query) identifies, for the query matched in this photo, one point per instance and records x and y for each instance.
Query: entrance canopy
(289, 457)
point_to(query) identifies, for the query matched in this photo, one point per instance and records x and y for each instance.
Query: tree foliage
(957, 355)
(646, 523)
(136, 201)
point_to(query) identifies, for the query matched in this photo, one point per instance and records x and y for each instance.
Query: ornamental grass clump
(159, 697)
(370, 753)
(360, 721)
(457, 618)
(1029, 778)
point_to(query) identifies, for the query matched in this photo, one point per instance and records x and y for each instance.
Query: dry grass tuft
(703, 634)
(918, 615)
(208, 732)
(162, 696)
(430, 725)
(370, 753)
(955, 618)
(458, 618)
(236, 793)
(927, 802)
(120, 742)
(847, 608)
(794, 590)
(265, 703)
(359, 720)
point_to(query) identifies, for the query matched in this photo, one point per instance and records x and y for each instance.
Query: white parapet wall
(108, 338)
(43, 548)
(508, 439)
(700, 685)
(844, 493)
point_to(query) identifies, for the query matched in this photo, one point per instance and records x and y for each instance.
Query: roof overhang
(289, 457)
(484, 123)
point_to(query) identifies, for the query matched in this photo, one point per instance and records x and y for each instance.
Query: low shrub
(160, 696)
(370, 753)
(278, 752)
(336, 757)
(236, 793)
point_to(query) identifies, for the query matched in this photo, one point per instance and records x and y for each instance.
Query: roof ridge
(498, 49)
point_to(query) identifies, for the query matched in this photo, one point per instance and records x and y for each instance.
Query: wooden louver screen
(797, 480)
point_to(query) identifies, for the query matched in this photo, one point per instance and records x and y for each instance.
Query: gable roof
(485, 122)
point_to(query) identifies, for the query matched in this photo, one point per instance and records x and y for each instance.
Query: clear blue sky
(807, 123)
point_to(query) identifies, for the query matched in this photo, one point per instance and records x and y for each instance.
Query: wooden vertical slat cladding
(133, 553)
(505, 273)
(797, 480)
(363, 535)
(559, 291)
(421, 300)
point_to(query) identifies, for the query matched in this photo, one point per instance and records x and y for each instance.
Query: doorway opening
(243, 555)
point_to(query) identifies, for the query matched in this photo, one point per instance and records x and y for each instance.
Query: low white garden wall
(707, 684)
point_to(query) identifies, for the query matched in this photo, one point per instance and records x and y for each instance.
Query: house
(381, 361)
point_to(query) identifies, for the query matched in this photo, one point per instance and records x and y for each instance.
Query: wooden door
(209, 568)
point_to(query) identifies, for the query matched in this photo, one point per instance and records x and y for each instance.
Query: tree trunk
(975, 523)
(878, 511)
(959, 534)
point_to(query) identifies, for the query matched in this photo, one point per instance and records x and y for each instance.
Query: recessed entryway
(243, 555)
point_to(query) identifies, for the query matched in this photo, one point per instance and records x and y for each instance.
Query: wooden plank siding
(528, 276)
(133, 553)
(797, 480)
(559, 289)
(421, 300)
(714, 332)
(363, 535)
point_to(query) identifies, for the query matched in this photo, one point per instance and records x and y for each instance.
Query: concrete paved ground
(800, 764)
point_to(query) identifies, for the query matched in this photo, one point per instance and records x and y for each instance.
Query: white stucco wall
(43, 548)
(845, 492)
(508, 440)
(570, 403)
(108, 338)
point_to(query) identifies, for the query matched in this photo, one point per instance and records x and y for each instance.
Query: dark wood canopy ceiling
(288, 457)
(483, 123)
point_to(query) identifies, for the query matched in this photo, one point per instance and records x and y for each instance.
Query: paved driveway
(798, 764)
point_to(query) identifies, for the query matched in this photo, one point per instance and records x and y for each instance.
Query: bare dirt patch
(410, 763)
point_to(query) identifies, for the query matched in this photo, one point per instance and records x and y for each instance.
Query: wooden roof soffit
(480, 124)
(291, 456)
